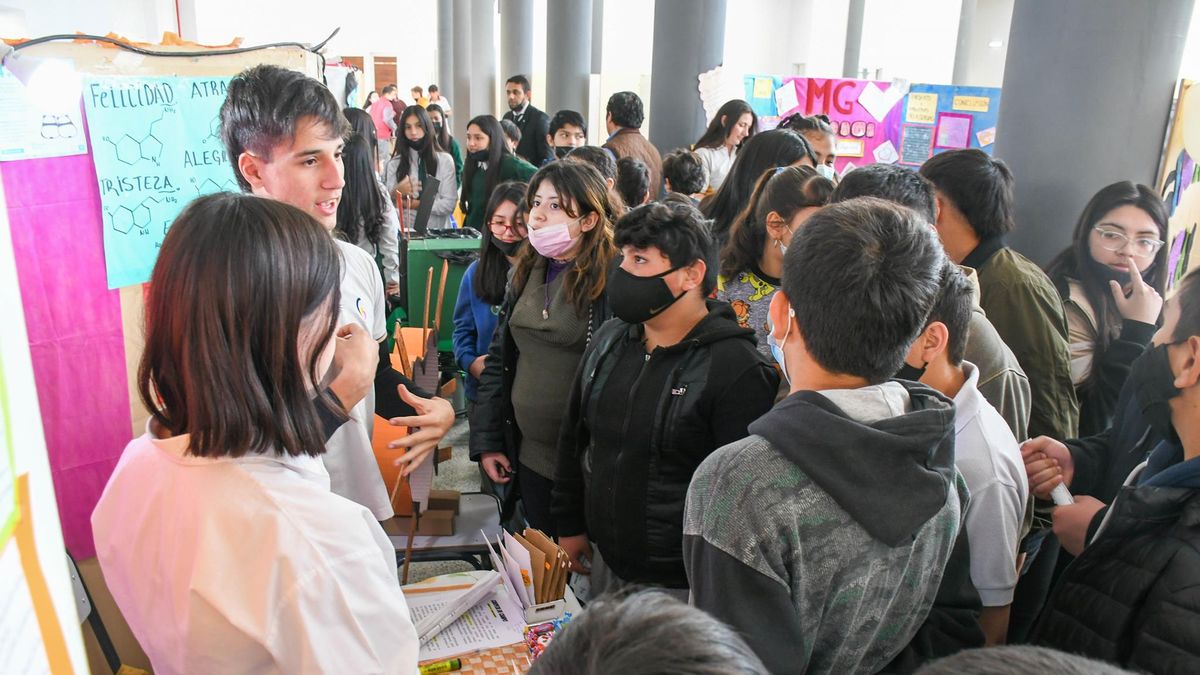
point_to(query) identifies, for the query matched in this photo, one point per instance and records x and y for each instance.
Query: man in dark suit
(533, 123)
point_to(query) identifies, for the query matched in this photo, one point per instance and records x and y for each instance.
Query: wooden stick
(425, 317)
(412, 534)
(437, 317)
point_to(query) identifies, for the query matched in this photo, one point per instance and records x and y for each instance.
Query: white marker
(1061, 495)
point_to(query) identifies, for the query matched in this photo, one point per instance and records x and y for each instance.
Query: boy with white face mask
(822, 537)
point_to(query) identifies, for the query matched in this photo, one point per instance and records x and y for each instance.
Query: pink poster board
(862, 111)
(75, 331)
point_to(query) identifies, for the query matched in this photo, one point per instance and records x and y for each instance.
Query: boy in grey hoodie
(823, 536)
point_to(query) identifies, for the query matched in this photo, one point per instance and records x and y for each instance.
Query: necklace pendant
(545, 314)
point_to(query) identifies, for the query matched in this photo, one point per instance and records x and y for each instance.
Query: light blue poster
(156, 144)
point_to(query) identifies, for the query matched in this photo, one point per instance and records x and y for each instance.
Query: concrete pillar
(483, 57)
(516, 39)
(689, 39)
(962, 51)
(464, 107)
(854, 29)
(1087, 92)
(445, 49)
(568, 55)
(597, 37)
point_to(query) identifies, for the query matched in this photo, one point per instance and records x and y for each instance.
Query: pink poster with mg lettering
(865, 115)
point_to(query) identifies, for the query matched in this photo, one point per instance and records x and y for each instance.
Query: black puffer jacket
(1133, 596)
(638, 425)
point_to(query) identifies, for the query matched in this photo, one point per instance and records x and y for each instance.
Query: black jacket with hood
(625, 485)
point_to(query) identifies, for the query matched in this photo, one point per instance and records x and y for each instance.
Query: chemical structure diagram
(130, 150)
(125, 218)
(209, 186)
(214, 132)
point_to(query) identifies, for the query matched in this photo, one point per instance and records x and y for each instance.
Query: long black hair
(361, 211)
(491, 274)
(1076, 262)
(765, 151)
(362, 124)
(496, 151)
(427, 148)
(442, 135)
(723, 123)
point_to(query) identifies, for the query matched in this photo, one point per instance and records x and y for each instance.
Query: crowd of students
(792, 405)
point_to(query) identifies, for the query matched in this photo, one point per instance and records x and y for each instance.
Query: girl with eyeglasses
(1111, 279)
(752, 261)
(477, 309)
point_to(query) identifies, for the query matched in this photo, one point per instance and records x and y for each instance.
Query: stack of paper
(533, 567)
(495, 622)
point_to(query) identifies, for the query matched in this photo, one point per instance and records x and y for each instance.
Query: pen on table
(446, 666)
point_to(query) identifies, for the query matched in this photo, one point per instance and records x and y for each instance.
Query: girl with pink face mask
(552, 307)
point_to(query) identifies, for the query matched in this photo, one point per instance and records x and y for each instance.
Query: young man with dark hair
(600, 159)
(284, 133)
(436, 98)
(985, 451)
(684, 173)
(623, 120)
(533, 123)
(633, 181)
(823, 536)
(668, 381)
(568, 131)
(1001, 380)
(1132, 596)
(974, 212)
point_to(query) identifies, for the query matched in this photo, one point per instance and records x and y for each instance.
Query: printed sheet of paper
(763, 86)
(886, 153)
(786, 99)
(971, 103)
(21, 647)
(493, 623)
(922, 108)
(28, 133)
(916, 144)
(986, 136)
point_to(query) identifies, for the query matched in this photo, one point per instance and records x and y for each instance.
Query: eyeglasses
(516, 227)
(1111, 240)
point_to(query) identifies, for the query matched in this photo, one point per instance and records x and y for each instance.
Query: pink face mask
(552, 241)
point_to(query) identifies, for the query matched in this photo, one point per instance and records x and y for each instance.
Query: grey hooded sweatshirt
(823, 536)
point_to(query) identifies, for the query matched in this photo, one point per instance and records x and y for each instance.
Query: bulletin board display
(1179, 184)
(84, 336)
(883, 122)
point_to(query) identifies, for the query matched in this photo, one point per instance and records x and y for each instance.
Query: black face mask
(418, 144)
(1106, 273)
(559, 152)
(437, 128)
(1154, 386)
(479, 155)
(636, 299)
(508, 248)
(911, 373)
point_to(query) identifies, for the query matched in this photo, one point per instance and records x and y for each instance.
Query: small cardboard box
(444, 500)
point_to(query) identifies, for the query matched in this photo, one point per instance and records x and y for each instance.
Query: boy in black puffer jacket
(1133, 595)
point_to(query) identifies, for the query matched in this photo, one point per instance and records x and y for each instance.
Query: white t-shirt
(718, 161)
(248, 565)
(989, 458)
(353, 471)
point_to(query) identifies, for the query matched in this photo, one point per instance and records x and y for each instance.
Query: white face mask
(827, 171)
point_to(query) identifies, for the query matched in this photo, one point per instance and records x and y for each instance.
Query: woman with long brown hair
(553, 306)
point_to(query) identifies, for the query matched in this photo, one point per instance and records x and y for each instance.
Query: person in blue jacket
(477, 308)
